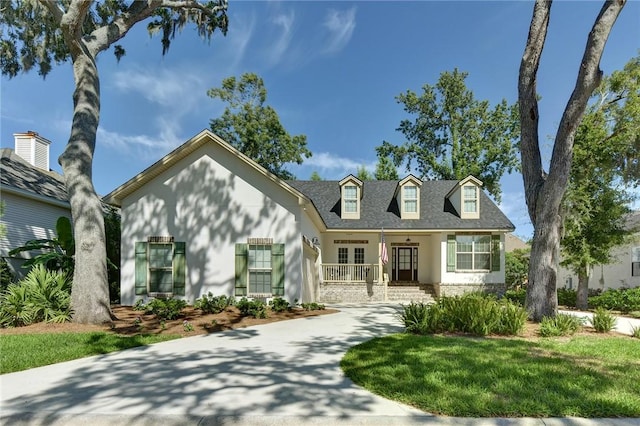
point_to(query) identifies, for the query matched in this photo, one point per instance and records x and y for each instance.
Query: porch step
(410, 293)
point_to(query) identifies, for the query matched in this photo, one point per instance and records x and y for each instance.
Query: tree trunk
(90, 290)
(544, 192)
(582, 295)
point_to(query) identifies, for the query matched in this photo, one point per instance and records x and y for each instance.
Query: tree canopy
(385, 169)
(41, 34)
(255, 128)
(604, 169)
(453, 135)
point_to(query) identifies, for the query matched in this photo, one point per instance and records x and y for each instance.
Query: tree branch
(589, 78)
(53, 9)
(532, 172)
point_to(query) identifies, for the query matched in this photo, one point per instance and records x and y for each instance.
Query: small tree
(254, 128)
(516, 268)
(364, 174)
(315, 176)
(385, 169)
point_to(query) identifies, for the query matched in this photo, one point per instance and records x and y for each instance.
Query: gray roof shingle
(379, 208)
(16, 173)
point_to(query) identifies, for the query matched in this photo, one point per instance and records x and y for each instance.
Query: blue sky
(332, 71)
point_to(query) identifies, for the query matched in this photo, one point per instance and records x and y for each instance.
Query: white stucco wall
(27, 219)
(212, 200)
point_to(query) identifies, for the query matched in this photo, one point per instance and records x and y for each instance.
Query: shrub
(635, 332)
(567, 297)
(603, 321)
(254, 308)
(278, 304)
(6, 276)
(422, 318)
(42, 295)
(210, 304)
(312, 306)
(623, 300)
(166, 309)
(560, 325)
(472, 313)
(516, 296)
(139, 305)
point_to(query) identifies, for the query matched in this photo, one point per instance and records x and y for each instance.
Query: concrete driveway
(284, 373)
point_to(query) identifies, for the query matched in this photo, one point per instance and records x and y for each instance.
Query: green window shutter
(242, 253)
(495, 253)
(451, 253)
(179, 268)
(277, 269)
(141, 268)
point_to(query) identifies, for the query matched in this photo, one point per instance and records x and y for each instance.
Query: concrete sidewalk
(284, 373)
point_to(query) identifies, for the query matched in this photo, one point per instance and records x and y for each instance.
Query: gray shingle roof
(18, 174)
(379, 208)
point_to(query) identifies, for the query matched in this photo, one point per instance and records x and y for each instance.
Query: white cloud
(281, 45)
(240, 33)
(340, 26)
(330, 166)
(141, 146)
(161, 87)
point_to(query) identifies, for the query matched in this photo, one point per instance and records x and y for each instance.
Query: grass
(578, 376)
(23, 351)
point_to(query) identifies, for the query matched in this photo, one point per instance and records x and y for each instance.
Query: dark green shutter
(451, 253)
(179, 268)
(141, 268)
(242, 252)
(277, 269)
(495, 253)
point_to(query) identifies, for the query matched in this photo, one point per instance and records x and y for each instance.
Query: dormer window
(470, 199)
(408, 197)
(350, 199)
(351, 196)
(465, 197)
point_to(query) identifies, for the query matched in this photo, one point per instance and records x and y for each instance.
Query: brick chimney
(33, 148)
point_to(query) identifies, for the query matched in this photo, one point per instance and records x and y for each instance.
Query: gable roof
(379, 207)
(116, 196)
(20, 177)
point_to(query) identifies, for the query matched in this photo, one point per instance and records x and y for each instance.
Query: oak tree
(40, 34)
(544, 190)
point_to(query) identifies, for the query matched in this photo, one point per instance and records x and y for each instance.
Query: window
(350, 199)
(470, 198)
(410, 198)
(343, 255)
(259, 269)
(635, 262)
(160, 267)
(473, 253)
(358, 255)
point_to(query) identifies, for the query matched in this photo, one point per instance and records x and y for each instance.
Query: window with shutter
(160, 267)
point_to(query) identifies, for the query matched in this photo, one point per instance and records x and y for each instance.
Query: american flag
(384, 256)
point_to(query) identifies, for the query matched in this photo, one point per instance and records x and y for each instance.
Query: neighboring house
(513, 242)
(206, 218)
(34, 197)
(623, 272)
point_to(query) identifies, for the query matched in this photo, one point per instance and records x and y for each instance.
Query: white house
(34, 197)
(207, 218)
(623, 272)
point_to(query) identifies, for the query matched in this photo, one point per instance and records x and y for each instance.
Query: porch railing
(349, 272)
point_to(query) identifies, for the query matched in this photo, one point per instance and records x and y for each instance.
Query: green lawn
(23, 351)
(460, 376)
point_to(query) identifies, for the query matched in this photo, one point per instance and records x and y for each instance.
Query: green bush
(635, 332)
(210, 304)
(312, 306)
(516, 296)
(566, 297)
(166, 309)
(624, 300)
(6, 276)
(43, 295)
(254, 308)
(278, 304)
(560, 325)
(603, 321)
(472, 313)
